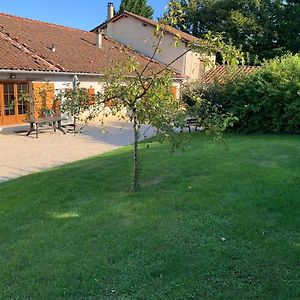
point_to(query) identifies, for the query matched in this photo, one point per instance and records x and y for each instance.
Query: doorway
(14, 104)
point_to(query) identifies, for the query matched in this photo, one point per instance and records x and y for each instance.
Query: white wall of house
(36, 76)
(132, 32)
(61, 85)
(60, 81)
(64, 80)
(138, 35)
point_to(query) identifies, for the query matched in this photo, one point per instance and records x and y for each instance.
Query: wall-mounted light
(13, 76)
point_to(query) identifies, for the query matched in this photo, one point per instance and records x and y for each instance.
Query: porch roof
(220, 73)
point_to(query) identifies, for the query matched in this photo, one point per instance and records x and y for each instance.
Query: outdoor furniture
(35, 124)
(70, 125)
(192, 122)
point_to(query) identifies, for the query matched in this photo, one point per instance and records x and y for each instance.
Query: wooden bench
(36, 122)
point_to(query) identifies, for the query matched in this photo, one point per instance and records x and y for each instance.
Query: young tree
(139, 7)
(75, 102)
(147, 100)
(144, 92)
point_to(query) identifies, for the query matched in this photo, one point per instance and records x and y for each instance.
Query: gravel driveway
(21, 155)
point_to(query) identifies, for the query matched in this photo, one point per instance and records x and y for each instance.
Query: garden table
(36, 122)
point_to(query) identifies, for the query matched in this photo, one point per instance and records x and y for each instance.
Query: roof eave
(72, 73)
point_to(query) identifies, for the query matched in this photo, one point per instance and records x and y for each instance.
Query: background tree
(264, 28)
(289, 26)
(139, 7)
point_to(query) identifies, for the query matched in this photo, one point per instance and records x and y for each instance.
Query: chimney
(110, 11)
(99, 38)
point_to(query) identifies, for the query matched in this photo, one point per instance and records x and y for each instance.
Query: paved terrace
(21, 155)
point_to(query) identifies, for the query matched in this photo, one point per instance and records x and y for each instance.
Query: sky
(82, 14)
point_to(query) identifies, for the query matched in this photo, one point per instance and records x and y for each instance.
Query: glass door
(22, 106)
(13, 103)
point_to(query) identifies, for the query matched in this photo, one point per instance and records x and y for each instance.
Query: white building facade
(138, 33)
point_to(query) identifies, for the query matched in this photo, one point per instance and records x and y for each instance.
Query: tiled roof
(221, 73)
(185, 36)
(27, 45)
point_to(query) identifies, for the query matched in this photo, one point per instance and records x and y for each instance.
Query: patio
(21, 155)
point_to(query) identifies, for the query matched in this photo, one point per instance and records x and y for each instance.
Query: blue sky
(83, 14)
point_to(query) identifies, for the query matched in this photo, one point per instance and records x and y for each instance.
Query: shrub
(265, 101)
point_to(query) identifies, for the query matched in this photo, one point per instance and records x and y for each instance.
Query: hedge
(267, 100)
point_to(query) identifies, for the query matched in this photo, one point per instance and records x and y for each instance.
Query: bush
(265, 101)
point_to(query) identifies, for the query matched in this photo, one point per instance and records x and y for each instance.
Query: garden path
(21, 155)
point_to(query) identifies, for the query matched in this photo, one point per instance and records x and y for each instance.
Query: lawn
(209, 223)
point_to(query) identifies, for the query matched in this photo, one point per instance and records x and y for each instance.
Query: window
(23, 92)
(15, 92)
(9, 99)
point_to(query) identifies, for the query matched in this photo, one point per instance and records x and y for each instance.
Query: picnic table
(191, 121)
(35, 124)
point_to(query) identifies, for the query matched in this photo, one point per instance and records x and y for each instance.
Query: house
(137, 32)
(37, 56)
(41, 59)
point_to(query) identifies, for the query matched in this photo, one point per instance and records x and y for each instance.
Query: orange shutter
(174, 92)
(1, 104)
(43, 93)
(91, 93)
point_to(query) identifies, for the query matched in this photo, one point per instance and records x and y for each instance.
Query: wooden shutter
(43, 93)
(174, 92)
(91, 93)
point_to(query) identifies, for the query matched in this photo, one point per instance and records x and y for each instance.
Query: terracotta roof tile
(27, 45)
(220, 73)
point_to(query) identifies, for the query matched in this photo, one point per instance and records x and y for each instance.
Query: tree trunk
(136, 129)
(74, 125)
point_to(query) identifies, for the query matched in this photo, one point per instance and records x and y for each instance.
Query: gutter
(47, 72)
(5, 71)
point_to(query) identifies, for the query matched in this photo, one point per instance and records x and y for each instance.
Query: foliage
(41, 102)
(139, 7)
(210, 44)
(264, 28)
(211, 116)
(149, 99)
(23, 97)
(146, 94)
(144, 91)
(146, 99)
(75, 102)
(75, 232)
(289, 29)
(265, 101)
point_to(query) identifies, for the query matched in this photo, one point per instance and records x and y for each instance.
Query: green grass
(208, 224)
